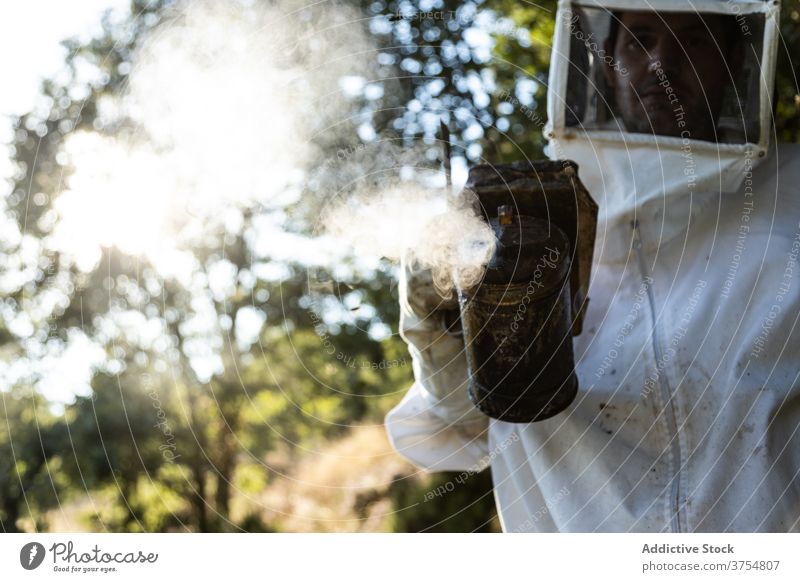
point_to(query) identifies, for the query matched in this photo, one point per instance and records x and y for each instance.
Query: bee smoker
(518, 321)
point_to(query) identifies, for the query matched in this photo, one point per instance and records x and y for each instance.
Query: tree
(31, 440)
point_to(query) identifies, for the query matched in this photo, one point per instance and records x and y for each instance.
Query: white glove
(435, 426)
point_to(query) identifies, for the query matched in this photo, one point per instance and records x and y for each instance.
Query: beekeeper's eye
(642, 41)
(697, 42)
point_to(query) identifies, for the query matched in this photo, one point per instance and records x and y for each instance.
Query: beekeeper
(688, 413)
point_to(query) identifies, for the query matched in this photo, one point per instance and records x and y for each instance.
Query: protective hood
(629, 172)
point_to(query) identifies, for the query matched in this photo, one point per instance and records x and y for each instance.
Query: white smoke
(424, 224)
(219, 114)
(225, 104)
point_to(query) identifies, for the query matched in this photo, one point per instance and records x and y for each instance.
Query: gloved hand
(430, 326)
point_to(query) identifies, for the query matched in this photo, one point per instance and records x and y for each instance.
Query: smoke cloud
(424, 226)
(231, 105)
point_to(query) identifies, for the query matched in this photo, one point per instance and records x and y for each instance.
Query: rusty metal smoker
(518, 322)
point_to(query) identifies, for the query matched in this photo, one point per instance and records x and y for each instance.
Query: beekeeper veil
(659, 100)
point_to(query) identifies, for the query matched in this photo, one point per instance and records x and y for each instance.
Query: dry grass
(340, 488)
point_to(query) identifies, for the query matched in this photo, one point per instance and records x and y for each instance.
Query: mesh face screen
(665, 73)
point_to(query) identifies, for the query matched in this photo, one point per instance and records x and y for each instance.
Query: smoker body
(518, 322)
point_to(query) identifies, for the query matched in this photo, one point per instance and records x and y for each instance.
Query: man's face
(666, 61)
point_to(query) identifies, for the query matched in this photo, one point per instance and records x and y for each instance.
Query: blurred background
(185, 345)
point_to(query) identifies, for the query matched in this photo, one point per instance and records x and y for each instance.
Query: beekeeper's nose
(667, 54)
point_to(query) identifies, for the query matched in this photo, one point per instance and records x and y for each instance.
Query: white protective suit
(688, 413)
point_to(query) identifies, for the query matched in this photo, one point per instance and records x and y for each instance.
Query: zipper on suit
(663, 384)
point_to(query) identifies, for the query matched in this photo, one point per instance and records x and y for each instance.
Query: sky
(30, 33)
